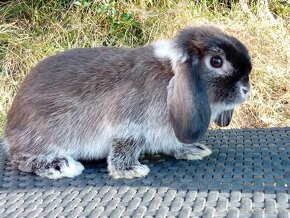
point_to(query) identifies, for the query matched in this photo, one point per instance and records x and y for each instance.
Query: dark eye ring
(216, 61)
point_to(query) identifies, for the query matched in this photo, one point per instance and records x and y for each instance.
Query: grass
(32, 30)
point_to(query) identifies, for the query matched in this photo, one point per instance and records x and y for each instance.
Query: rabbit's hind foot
(49, 166)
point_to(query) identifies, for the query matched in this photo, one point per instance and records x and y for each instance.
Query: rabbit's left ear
(188, 105)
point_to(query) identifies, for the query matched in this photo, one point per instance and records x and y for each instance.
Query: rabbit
(119, 103)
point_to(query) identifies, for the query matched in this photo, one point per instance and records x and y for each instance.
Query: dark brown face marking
(223, 89)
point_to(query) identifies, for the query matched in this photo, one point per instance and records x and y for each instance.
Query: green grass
(32, 30)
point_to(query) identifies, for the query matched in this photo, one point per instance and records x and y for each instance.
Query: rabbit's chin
(222, 114)
(224, 118)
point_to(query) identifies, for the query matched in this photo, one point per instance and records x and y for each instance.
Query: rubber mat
(248, 175)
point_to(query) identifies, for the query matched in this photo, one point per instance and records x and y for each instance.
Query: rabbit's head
(211, 77)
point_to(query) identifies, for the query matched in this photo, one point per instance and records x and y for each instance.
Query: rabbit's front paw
(123, 159)
(129, 172)
(195, 151)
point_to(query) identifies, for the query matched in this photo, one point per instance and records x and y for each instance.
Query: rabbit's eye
(216, 62)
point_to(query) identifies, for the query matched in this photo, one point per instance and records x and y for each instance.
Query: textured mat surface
(248, 175)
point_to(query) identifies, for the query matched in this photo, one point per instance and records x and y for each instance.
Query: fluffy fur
(116, 103)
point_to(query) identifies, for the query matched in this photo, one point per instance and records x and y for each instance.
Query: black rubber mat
(248, 175)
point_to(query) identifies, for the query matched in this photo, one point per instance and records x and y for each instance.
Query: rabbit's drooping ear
(188, 104)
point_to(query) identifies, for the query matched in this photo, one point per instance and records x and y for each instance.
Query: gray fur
(114, 103)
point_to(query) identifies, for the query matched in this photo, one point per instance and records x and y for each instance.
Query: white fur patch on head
(168, 50)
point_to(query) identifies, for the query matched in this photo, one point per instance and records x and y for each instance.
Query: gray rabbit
(116, 103)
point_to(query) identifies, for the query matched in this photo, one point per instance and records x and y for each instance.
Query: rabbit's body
(113, 103)
(67, 124)
(60, 104)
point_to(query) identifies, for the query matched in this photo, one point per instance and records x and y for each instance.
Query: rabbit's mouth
(224, 118)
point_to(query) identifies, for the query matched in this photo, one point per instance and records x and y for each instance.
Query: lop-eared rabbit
(116, 103)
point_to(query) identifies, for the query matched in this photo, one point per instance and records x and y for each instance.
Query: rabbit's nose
(245, 90)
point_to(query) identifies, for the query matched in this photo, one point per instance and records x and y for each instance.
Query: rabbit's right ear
(188, 105)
